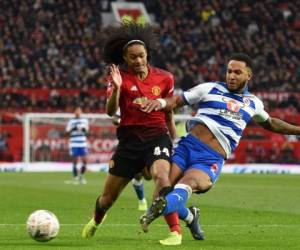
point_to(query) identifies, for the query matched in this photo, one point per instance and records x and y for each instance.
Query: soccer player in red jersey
(144, 138)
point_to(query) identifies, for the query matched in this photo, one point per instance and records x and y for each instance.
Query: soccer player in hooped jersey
(144, 138)
(224, 110)
(77, 128)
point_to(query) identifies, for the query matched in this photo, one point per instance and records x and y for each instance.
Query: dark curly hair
(118, 37)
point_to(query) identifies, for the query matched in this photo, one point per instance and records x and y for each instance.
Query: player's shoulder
(161, 72)
(208, 86)
(257, 101)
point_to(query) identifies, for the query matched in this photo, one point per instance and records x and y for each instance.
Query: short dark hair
(118, 37)
(243, 58)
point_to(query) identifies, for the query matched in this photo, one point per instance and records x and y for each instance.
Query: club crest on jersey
(156, 90)
(233, 105)
(246, 101)
(111, 164)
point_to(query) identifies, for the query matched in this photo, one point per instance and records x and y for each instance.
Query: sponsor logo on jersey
(233, 108)
(214, 168)
(156, 90)
(140, 100)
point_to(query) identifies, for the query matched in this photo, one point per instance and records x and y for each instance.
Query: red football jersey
(158, 84)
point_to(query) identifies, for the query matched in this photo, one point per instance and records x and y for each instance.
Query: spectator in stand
(57, 46)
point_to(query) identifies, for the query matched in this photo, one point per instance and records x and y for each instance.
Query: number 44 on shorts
(165, 151)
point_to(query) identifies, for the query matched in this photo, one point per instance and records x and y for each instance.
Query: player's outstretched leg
(155, 210)
(194, 225)
(90, 228)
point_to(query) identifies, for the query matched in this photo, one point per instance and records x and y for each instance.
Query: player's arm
(68, 129)
(188, 97)
(171, 124)
(279, 126)
(112, 103)
(85, 128)
(166, 104)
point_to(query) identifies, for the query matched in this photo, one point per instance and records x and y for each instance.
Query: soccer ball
(42, 225)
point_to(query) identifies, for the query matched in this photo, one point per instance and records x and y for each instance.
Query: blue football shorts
(78, 151)
(192, 153)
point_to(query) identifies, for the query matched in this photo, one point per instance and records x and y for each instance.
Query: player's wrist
(163, 102)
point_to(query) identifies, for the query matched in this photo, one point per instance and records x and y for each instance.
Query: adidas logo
(133, 88)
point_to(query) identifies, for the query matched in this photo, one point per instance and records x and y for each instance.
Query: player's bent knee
(204, 186)
(162, 178)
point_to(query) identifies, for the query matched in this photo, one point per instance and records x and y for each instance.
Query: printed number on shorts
(157, 151)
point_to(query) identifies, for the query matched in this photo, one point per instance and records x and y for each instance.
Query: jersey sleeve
(170, 92)
(69, 126)
(87, 127)
(196, 93)
(260, 114)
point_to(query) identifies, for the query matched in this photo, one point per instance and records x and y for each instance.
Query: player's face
(136, 58)
(237, 76)
(78, 112)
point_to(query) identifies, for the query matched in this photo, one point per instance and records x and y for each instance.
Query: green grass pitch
(240, 212)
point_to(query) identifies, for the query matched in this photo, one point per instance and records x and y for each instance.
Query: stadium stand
(50, 59)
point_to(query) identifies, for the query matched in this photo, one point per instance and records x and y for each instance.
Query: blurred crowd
(53, 44)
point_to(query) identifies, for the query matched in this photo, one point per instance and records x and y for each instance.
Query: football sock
(99, 212)
(177, 198)
(138, 186)
(185, 214)
(173, 222)
(74, 170)
(83, 168)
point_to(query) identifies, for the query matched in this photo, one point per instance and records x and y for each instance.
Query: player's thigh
(160, 169)
(197, 179)
(125, 167)
(157, 155)
(176, 174)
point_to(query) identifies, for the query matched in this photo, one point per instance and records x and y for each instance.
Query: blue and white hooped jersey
(226, 114)
(78, 128)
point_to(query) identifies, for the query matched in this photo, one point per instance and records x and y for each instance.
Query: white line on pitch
(163, 225)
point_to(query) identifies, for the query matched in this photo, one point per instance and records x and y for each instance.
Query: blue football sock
(183, 212)
(83, 169)
(139, 189)
(74, 170)
(176, 200)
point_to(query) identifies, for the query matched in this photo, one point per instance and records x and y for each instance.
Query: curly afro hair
(118, 37)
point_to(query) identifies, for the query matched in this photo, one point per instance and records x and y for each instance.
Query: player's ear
(249, 71)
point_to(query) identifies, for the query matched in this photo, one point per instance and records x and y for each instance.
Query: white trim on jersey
(225, 113)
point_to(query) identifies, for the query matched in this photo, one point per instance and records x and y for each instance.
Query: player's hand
(151, 105)
(115, 75)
